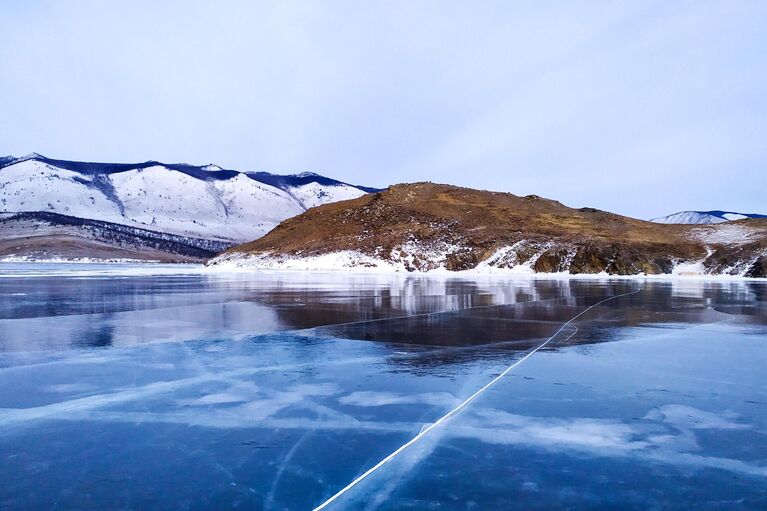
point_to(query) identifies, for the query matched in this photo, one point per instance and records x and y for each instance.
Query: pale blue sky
(643, 108)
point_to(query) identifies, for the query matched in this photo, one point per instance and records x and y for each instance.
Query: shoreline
(473, 274)
(95, 260)
(504, 273)
(203, 269)
(351, 262)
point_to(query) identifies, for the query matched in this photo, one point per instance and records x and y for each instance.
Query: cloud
(558, 99)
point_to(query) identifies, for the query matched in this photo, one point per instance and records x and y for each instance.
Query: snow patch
(315, 194)
(726, 234)
(342, 260)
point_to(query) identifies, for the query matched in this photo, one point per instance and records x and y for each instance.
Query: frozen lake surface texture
(160, 387)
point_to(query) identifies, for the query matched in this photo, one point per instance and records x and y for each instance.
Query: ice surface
(188, 390)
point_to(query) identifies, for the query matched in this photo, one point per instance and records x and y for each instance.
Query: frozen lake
(164, 387)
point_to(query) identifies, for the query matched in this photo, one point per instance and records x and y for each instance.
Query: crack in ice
(461, 406)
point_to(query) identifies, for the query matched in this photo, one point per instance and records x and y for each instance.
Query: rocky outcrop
(426, 227)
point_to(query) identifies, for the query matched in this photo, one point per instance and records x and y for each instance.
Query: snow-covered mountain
(187, 200)
(704, 217)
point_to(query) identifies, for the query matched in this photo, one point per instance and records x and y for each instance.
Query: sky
(644, 108)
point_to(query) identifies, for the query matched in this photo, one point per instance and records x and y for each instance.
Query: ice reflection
(57, 312)
(273, 391)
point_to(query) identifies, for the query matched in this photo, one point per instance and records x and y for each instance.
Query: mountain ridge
(114, 168)
(714, 216)
(427, 227)
(204, 201)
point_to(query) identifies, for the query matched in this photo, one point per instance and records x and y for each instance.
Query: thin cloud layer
(577, 101)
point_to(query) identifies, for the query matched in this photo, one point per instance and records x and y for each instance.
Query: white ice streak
(10, 416)
(607, 437)
(499, 427)
(369, 398)
(683, 416)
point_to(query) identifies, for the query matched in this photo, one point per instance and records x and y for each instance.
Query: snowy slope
(704, 217)
(206, 202)
(314, 194)
(50, 236)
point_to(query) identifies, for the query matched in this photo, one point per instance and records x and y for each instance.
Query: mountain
(205, 202)
(427, 227)
(200, 201)
(704, 217)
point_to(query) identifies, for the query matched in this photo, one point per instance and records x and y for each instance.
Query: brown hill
(424, 226)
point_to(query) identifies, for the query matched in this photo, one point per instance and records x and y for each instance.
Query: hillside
(50, 236)
(427, 227)
(205, 202)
